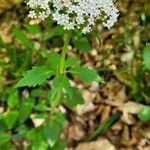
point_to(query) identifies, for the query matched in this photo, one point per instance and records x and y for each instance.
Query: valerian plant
(79, 15)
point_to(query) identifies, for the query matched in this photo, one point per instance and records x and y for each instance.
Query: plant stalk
(58, 95)
(64, 52)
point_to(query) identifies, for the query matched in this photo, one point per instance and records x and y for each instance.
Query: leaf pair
(61, 82)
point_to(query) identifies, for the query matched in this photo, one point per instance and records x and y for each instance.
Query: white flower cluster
(75, 14)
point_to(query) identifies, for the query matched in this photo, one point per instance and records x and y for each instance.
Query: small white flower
(32, 14)
(86, 29)
(43, 15)
(76, 14)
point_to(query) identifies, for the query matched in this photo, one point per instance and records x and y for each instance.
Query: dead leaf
(130, 108)
(88, 105)
(101, 144)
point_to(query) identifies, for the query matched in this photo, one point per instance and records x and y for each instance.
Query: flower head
(75, 14)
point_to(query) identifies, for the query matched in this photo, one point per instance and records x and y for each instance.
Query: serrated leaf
(22, 38)
(144, 114)
(35, 77)
(82, 44)
(10, 118)
(76, 98)
(146, 57)
(73, 61)
(86, 74)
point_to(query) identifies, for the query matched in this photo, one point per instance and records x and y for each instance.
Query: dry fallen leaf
(101, 144)
(128, 109)
(88, 105)
(75, 132)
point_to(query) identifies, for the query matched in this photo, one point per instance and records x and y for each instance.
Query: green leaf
(35, 29)
(20, 132)
(42, 145)
(82, 44)
(13, 99)
(3, 126)
(146, 56)
(144, 114)
(73, 61)
(53, 61)
(26, 109)
(35, 77)
(85, 74)
(60, 118)
(59, 30)
(4, 138)
(37, 139)
(76, 98)
(60, 82)
(52, 131)
(7, 146)
(53, 128)
(22, 38)
(35, 134)
(41, 107)
(39, 93)
(60, 145)
(10, 118)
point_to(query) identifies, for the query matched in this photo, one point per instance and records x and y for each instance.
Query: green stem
(58, 95)
(64, 52)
